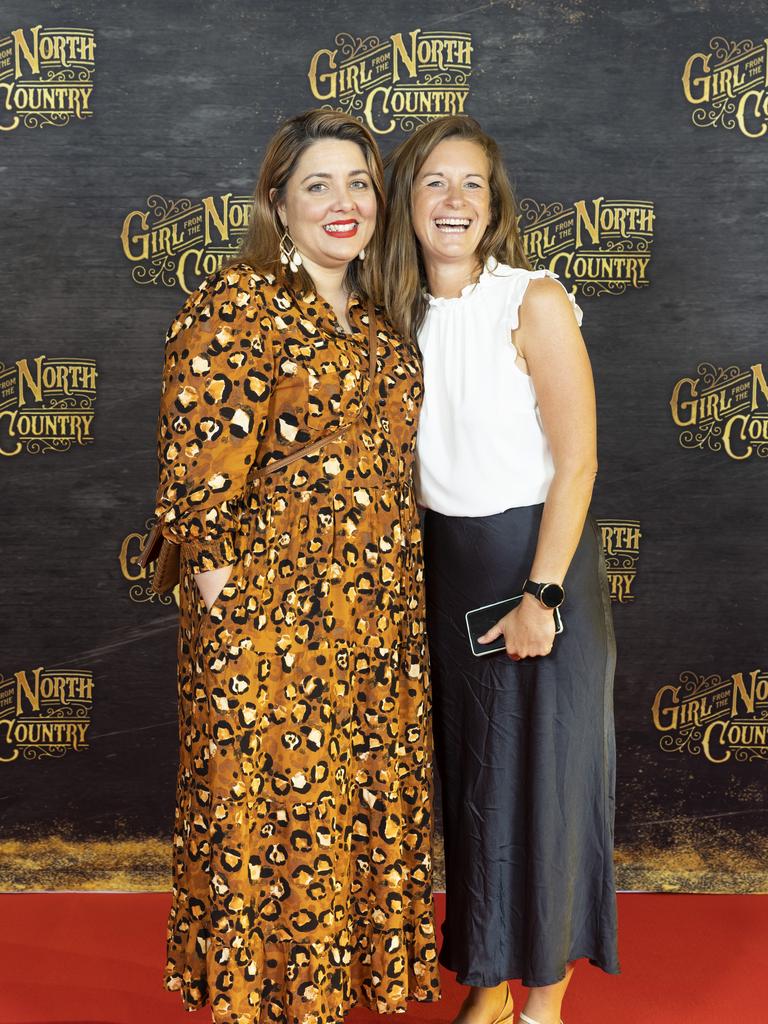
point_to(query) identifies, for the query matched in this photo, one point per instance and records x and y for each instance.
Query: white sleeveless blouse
(481, 448)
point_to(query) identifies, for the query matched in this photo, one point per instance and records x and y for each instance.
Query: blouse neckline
(325, 315)
(469, 289)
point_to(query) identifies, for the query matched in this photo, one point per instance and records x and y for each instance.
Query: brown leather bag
(166, 553)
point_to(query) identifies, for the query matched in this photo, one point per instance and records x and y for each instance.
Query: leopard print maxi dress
(302, 876)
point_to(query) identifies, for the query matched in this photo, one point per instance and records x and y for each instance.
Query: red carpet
(97, 959)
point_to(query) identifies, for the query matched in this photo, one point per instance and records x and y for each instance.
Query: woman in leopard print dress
(302, 881)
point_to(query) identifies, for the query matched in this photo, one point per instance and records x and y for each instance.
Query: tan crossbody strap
(310, 449)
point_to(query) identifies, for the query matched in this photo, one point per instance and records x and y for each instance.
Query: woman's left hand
(528, 630)
(211, 582)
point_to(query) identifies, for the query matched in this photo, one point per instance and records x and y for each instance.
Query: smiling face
(451, 201)
(329, 204)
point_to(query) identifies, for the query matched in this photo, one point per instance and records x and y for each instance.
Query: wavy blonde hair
(261, 244)
(404, 277)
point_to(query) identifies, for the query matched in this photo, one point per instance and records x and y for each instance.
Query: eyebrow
(321, 174)
(440, 174)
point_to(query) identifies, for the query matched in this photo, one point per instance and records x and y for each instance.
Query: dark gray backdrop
(586, 101)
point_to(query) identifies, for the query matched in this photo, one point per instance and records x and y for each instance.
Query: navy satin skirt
(526, 755)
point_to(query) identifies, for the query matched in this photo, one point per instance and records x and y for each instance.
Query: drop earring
(289, 254)
(361, 254)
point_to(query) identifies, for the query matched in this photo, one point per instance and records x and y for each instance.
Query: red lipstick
(341, 228)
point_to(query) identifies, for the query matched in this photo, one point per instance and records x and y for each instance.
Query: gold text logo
(723, 410)
(46, 76)
(722, 719)
(602, 246)
(179, 241)
(621, 545)
(728, 86)
(400, 82)
(46, 404)
(44, 713)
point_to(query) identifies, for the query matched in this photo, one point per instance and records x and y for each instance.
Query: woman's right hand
(528, 630)
(211, 583)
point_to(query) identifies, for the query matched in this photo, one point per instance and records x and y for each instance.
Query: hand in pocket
(211, 583)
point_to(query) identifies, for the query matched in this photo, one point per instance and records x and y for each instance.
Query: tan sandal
(507, 1014)
(525, 1019)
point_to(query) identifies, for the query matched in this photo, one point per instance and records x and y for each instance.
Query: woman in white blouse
(506, 464)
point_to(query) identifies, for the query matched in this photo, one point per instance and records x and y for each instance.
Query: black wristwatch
(550, 595)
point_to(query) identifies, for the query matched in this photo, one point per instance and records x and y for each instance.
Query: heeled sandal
(507, 1014)
(525, 1019)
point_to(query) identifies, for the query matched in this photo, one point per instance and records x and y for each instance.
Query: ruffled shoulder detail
(508, 285)
(578, 312)
(517, 293)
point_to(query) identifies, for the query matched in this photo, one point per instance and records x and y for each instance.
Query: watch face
(551, 595)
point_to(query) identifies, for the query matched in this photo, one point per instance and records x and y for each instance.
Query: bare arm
(551, 344)
(552, 351)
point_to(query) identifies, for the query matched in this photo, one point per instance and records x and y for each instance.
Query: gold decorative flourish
(66, 712)
(37, 446)
(69, 402)
(443, 78)
(355, 46)
(41, 754)
(720, 113)
(534, 212)
(689, 740)
(704, 436)
(162, 208)
(40, 119)
(412, 122)
(724, 49)
(616, 562)
(693, 684)
(590, 289)
(162, 269)
(743, 754)
(712, 376)
(144, 594)
(70, 74)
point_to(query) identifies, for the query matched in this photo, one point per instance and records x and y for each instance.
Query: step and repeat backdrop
(130, 140)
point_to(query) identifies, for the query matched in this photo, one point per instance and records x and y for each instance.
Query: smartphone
(480, 620)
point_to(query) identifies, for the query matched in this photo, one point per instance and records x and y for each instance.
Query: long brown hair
(261, 244)
(404, 277)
